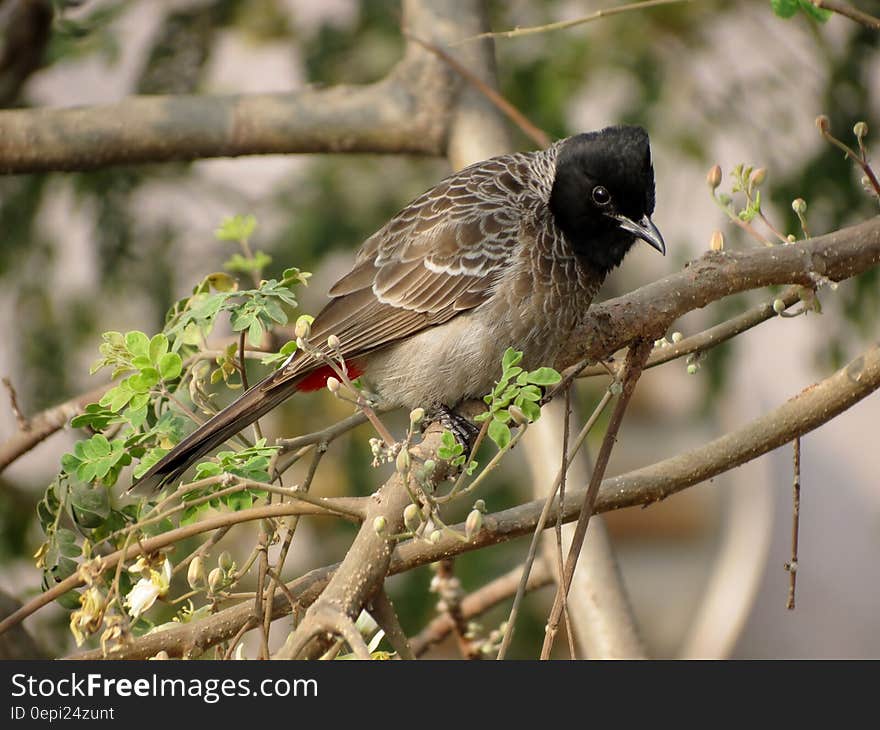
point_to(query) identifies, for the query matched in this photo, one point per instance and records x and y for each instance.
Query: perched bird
(505, 253)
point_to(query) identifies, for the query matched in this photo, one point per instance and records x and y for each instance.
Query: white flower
(152, 586)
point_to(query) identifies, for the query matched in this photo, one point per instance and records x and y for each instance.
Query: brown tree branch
(806, 411)
(362, 572)
(635, 362)
(849, 11)
(44, 424)
(711, 337)
(406, 112)
(478, 602)
(650, 310)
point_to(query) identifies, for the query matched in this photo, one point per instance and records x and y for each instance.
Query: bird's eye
(601, 196)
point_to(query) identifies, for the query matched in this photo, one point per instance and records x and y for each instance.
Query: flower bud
(195, 575)
(435, 537)
(303, 328)
(713, 178)
(333, 342)
(412, 517)
(823, 124)
(799, 206)
(716, 242)
(416, 416)
(402, 461)
(225, 560)
(759, 176)
(860, 130)
(692, 369)
(778, 306)
(791, 238)
(379, 524)
(215, 579)
(429, 467)
(677, 337)
(480, 504)
(473, 524)
(517, 415)
(333, 385)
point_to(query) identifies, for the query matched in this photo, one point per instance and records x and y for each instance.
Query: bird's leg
(462, 428)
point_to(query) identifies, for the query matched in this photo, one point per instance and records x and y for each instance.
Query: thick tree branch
(362, 572)
(650, 310)
(43, 425)
(407, 112)
(804, 412)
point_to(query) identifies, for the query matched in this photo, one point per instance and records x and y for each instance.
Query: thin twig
(534, 133)
(565, 24)
(245, 627)
(23, 423)
(566, 428)
(259, 612)
(448, 588)
(635, 361)
(542, 521)
(382, 610)
(848, 11)
(792, 565)
(707, 339)
(478, 602)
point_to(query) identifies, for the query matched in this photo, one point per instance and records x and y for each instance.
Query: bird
(508, 252)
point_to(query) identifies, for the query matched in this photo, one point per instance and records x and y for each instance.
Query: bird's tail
(255, 403)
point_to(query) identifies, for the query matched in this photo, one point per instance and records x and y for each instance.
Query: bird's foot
(463, 429)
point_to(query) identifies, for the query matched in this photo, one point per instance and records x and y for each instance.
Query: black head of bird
(603, 194)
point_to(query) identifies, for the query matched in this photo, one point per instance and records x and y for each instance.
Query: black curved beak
(644, 229)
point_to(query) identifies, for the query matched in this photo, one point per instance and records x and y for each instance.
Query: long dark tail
(256, 402)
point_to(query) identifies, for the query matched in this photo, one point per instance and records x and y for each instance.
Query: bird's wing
(440, 256)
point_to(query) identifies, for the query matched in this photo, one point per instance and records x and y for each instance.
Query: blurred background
(713, 82)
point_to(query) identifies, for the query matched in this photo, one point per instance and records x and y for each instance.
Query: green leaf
(530, 392)
(532, 410)
(239, 501)
(158, 347)
(137, 417)
(137, 343)
(192, 514)
(499, 433)
(240, 264)
(784, 8)
(147, 461)
(511, 357)
(236, 228)
(170, 366)
(818, 14)
(544, 376)
(95, 417)
(255, 333)
(208, 469)
(90, 505)
(295, 276)
(447, 439)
